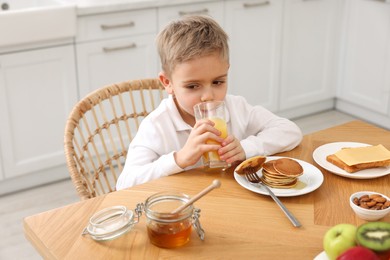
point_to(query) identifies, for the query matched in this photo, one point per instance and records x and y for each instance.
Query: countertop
(91, 7)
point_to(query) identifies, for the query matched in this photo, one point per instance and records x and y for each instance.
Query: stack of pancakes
(281, 173)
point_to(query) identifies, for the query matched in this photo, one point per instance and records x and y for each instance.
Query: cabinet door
(254, 29)
(116, 25)
(167, 14)
(37, 91)
(1, 167)
(106, 62)
(365, 76)
(308, 52)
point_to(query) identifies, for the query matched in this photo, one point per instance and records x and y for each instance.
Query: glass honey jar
(166, 229)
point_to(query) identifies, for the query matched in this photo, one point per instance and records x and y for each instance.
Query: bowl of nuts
(369, 205)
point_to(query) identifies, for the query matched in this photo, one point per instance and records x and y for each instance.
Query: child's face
(197, 80)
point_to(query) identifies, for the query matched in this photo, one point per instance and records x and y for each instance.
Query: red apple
(358, 253)
(384, 255)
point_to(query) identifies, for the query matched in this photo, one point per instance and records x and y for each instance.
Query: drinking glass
(214, 111)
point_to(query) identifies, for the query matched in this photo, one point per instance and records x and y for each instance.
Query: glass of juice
(214, 111)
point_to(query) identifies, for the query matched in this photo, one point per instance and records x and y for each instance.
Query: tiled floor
(15, 207)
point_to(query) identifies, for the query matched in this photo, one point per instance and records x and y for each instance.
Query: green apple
(339, 239)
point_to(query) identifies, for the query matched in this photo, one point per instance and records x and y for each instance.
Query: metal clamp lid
(112, 222)
(197, 225)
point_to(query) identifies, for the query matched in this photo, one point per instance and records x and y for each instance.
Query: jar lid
(110, 223)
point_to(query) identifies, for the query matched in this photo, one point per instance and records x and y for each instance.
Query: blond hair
(190, 37)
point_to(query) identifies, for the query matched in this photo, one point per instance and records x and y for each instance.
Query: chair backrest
(99, 130)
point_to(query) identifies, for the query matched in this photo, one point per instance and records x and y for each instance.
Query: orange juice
(211, 158)
(221, 125)
(214, 111)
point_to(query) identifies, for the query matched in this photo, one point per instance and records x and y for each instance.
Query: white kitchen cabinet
(308, 52)
(1, 167)
(37, 91)
(116, 47)
(364, 88)
(254, 28)
(169, 13)
(105, 62)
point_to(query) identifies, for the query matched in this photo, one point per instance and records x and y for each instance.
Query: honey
(170, 236)
(164, 228)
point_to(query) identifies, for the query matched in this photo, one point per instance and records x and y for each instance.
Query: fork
(255, 180)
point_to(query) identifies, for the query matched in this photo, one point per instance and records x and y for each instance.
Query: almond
(372, 201)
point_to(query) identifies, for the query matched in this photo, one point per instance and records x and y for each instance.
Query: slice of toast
(357, 167)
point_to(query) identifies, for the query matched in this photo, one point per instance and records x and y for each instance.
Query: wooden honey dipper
(215, 184)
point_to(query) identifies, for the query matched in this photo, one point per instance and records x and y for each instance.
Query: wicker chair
(99, 130)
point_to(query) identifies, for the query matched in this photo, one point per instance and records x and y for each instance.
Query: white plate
(309, 181)
(321, 256)
(320, 154)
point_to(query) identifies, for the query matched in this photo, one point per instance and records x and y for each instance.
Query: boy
(194, 55)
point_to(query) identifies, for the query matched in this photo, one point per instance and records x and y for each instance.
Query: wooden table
(239, 224)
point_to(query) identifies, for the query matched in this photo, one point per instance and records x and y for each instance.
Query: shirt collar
(178, 121)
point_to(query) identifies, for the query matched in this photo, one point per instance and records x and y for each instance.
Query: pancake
(280, 186)
(276, 177)
(269, 167)
(281, 173)
(279, 179)
(278, 182)
(288, 167)
(251, 165)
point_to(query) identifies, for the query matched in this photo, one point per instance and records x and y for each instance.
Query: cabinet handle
(382, 1)
(115, 26)
(202, 11)
(110, 49)
(249, 5)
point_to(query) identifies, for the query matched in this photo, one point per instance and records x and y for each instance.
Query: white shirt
(163, 132)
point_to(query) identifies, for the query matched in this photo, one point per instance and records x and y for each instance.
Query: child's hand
(196, 143)
(231, 150)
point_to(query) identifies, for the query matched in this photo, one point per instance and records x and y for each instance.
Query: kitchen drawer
(108, 61)
(114, 25)
(214, 9)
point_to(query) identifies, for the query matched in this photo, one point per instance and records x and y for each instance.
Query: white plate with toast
(320, 154)
(309, 181)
